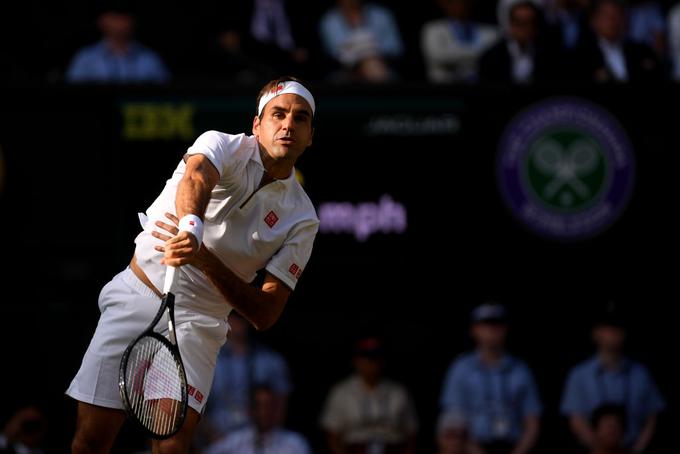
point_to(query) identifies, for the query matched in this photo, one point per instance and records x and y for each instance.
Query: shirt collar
(504, 364)
(624, 367)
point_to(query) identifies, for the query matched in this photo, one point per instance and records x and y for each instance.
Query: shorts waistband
(133, 281)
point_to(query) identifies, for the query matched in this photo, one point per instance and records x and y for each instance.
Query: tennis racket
(152, 381)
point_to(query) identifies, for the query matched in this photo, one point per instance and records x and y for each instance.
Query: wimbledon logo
(565, 168)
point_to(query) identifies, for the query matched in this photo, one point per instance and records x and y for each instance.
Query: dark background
(75, 179)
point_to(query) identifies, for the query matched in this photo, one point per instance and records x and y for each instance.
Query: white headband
(289, 86)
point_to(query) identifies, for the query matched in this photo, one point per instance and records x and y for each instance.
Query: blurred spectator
(452, 45)
(452, 435)
(24, 432)
(611, 378)
(521, 57)
(647, 24)
(492, 390)
(363, 38)
(265, 434)
(241, 364)
(611, 57)
(503, 10)
(367, 413)
(570, 20)
(117, 58)
(674, 36)
(255, 40)
(609, 430)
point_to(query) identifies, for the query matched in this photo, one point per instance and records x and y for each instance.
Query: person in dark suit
(521, 57)
(609, 56)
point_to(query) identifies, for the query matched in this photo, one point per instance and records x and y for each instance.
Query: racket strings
(154, 386)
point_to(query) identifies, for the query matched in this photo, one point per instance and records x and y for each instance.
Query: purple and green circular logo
(565, 168)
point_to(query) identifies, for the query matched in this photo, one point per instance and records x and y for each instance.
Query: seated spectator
(367, 413)
(492, 390)
(353, 32)
(609, 430)
(647, 25)
(254, 40)
(264, 434)
(241, 363)
(452, 435)
(520, 57)
(674, 37)
(24, 432)
(610, 377)
(117, 58)
(611, 57)
(452, 45)
(569, 20)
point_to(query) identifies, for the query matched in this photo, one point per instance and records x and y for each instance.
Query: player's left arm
(260, 306)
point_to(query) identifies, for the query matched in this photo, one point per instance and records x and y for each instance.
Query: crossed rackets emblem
(566, 166)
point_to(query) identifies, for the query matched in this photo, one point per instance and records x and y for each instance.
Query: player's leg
(96, 429)
(181, 442)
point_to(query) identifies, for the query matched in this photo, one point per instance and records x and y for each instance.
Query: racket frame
(167, 305)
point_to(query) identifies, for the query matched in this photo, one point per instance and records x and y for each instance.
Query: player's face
(285, 129)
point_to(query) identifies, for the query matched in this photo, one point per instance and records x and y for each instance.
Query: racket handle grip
(171, 276)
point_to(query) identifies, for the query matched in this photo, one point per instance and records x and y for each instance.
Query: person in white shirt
(367, 413)
(232, 208)
(264, 435)
(674, 39)
(452, 45)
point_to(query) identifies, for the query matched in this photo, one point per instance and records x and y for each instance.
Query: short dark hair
(270, 85)
(604, 410)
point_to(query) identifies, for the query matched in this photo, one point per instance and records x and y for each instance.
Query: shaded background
(80, 162)
(74, 183)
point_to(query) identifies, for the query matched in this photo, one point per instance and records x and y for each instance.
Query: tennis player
(232, 207)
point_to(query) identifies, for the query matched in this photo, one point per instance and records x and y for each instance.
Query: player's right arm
(193, 195)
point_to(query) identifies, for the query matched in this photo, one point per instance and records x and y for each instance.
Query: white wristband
(192, 224)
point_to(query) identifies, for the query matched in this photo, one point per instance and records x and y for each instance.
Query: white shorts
(127, 307)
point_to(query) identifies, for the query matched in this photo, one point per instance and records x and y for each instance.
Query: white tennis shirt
(272, 228)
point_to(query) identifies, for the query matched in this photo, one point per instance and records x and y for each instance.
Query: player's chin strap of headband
(289, 86)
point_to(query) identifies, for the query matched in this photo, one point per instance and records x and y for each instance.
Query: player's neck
(277, 169)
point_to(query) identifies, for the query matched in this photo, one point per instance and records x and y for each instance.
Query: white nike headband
(289, 86)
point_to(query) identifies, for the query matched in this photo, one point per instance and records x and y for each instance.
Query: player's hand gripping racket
(152, 381)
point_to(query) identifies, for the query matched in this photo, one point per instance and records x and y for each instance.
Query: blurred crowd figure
(363, 38)
(492, 393)
(374, 41)
(265, 433)
(610, 378)
(674, 37)
(608, 424)
(368, 413)
(452, 45)
(242, 366)
(24, 432)
(117, 58)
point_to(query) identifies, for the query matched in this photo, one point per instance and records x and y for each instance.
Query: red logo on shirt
(271, 219)
(195, 393)
(295, 270)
